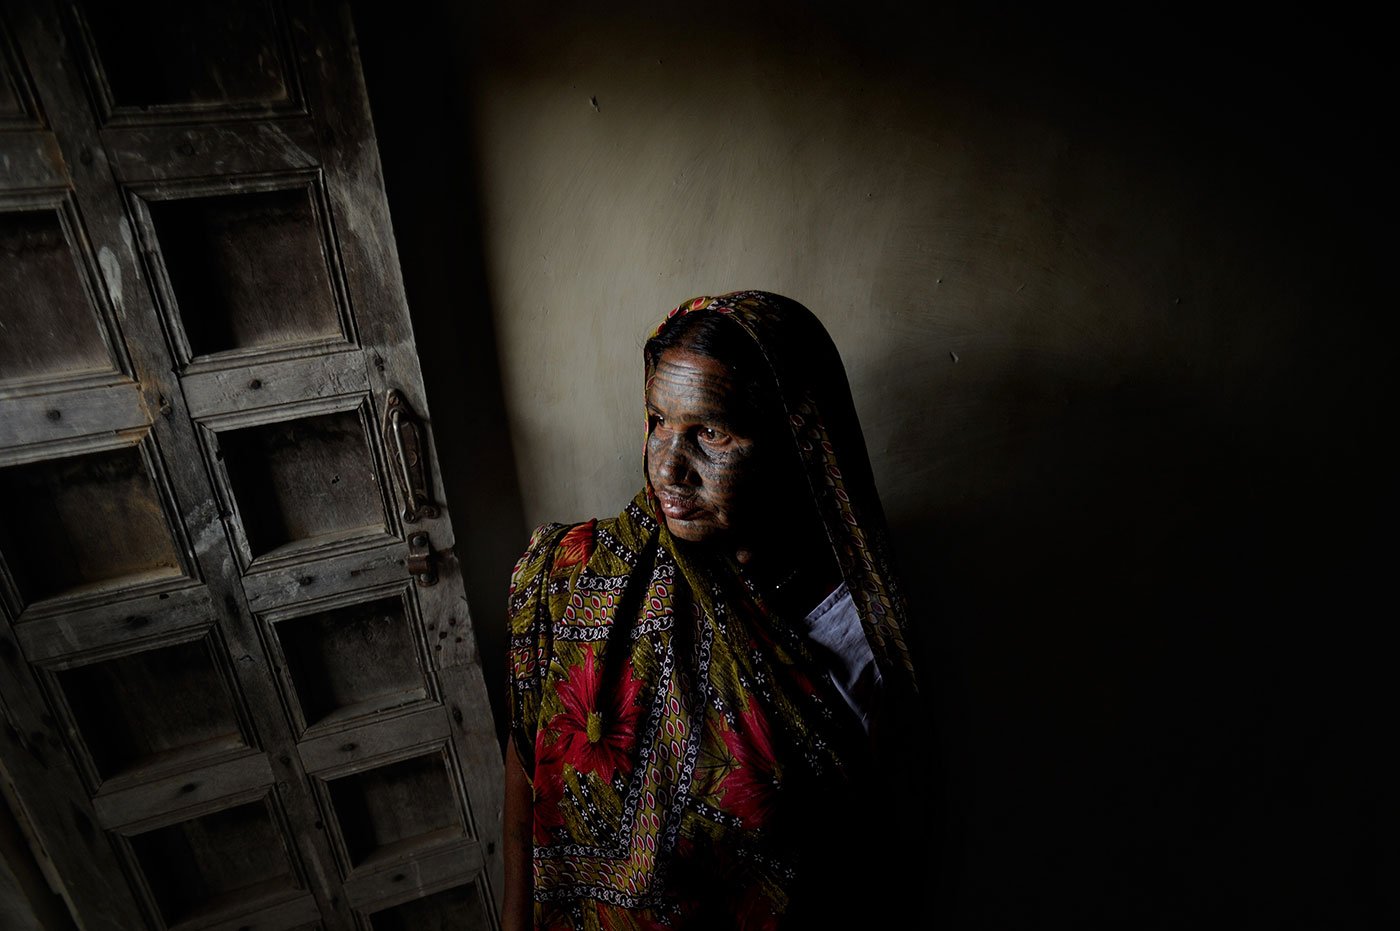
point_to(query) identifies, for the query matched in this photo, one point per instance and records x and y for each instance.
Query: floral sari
(679, 735)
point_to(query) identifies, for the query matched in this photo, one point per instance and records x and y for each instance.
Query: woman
(700, 687)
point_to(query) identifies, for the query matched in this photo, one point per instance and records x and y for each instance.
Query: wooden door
(240, 686)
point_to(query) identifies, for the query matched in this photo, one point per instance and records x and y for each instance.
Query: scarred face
(704, 459)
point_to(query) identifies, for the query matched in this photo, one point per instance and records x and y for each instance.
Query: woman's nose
(674, 467)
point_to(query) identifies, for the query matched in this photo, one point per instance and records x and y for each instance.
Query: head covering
(817, 403)
(680, 735)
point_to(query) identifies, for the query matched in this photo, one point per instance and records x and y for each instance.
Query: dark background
(1150, 604)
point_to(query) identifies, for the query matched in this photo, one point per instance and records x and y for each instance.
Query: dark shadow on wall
(423, 125)
(1149, 637)
(1148, 620)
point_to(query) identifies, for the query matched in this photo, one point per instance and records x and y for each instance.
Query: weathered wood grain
(113, 624)
(297, 911)
(251, 772)
(167, 153)
(46, 418)
(358, 747)
(274, 384)
(275, 587)
(30, 159)
(444, 867)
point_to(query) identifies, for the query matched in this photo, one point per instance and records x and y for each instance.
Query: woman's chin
(692, 530)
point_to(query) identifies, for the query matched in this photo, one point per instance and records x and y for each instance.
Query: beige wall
(920, 218)
(1107, 294)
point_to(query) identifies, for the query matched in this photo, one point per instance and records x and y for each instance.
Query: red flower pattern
(549, 789)
(577, 545)
(596, 730)
(750, 790)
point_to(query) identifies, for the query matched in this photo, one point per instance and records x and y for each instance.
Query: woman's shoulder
(570, 545)
(561, 544)
(558, 552)
(551, 564)
(555, 547)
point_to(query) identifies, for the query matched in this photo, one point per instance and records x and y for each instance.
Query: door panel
(454, 907)
(300, 480)
(128, 713)
(231, 859)
(173, 59)
(86, 526)
(55, 332)
(349, 658)
(246, 268)
(239, 673)
(59, 325)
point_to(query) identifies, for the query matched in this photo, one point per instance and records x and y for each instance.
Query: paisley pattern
(678, 735)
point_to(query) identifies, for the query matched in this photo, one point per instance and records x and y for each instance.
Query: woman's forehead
(685, 376)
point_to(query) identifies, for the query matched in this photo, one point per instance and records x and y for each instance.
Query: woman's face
(705, 459)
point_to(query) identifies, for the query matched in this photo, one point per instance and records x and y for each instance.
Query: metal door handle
(411, 467)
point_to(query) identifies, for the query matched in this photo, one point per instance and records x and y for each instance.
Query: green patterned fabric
(679, 735)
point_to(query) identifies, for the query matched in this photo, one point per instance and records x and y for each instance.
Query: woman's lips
(677, 508)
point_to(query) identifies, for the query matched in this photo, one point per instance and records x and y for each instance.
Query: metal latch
(406, 445)
(420, 559)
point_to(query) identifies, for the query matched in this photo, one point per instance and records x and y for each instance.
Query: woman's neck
(796, 573)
